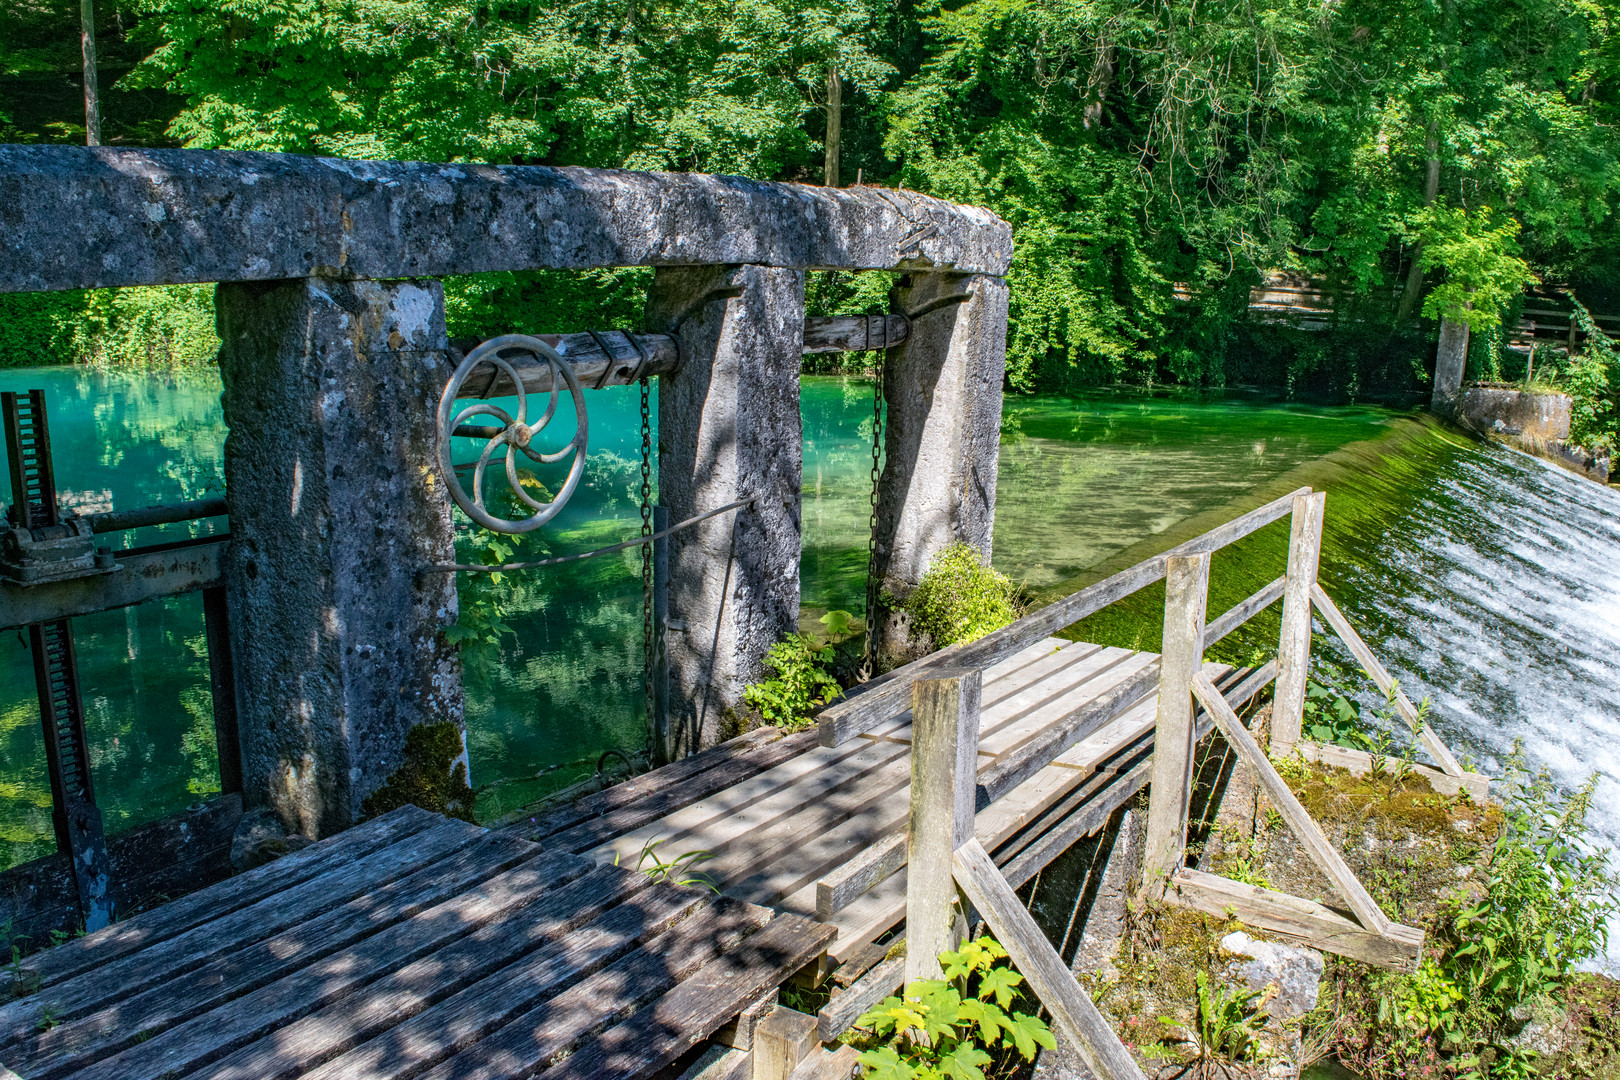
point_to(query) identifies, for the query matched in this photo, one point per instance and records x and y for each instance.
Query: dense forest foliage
(1155, 157)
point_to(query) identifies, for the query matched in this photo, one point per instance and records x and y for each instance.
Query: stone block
(329, 394)
(728, 429)
(942, 443)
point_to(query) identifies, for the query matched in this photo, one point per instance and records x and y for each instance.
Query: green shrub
(160, 326)
(955, 1026)
(961, 598)
(802, 683)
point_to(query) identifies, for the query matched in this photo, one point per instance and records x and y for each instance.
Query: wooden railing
(940, 849)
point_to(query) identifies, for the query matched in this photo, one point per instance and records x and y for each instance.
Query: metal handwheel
(514, 432)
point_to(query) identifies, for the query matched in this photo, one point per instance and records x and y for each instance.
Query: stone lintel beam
(93, 217)
(943, 436)
(335, 505)
(728, 428)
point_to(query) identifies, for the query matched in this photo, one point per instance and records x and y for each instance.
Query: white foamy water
(1497, 596)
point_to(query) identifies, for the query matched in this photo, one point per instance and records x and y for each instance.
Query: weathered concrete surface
(335, 505)
(728, 429)
(942, 443)
(1295, 972)
(1506, 411)
(86, 217)
(1450, 361)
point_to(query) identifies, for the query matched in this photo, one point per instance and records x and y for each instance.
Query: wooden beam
(886, 695)
(620, 362)
(1186, 590)
(1294, 648)
(782, 1039)
(1386, 684)
(1359, 762)
(145, 574)
(1054, 984)
(1243, 611)
(1310, 836)
(854, 333)
(944, 755)
(840, 1014)
(1397, 947)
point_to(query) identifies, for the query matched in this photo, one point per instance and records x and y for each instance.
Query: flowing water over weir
(1483, 577)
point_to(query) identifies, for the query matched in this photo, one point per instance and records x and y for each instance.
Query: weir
(403, 943)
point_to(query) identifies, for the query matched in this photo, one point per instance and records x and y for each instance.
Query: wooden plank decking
(415, 946)
(778, 816)
(408, 946)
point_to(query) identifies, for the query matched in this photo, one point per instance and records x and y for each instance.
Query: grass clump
(961, 598)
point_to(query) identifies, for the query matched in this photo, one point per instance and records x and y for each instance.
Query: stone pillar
(728, 429)
(330, 389)
(1450, 362)
(943, 387)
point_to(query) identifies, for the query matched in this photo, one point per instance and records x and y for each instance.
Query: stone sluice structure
(411, 945)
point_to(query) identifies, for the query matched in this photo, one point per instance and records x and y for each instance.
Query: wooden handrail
(889, 694)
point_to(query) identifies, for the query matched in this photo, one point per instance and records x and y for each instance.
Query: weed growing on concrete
(800, 685)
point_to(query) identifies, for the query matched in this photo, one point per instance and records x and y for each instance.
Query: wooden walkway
(818, 830)
(408, 946)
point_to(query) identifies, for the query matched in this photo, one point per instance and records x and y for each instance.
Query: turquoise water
(1481, 576)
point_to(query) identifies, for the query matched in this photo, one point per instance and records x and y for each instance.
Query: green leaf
(885, 1063)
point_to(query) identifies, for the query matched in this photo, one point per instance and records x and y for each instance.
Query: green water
(1480, 576)
(1081, 480)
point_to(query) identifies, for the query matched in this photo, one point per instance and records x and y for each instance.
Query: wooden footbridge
(416, 946)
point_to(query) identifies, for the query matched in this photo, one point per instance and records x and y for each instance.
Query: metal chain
(648, 640)
(867, 658)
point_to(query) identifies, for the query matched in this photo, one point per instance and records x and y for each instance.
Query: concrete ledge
(92, 217)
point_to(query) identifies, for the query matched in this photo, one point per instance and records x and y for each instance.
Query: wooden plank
(144, 574)
(174, 956)
(841, 1013)
(1294, 646)
(72, 957)
(1310, 836)
(558, 1025)
(858, 963)
(1386, 685)
(1359, 762)
(1244, 610)
(445, 1002)
(1085, 821)
(786, 1037)
(1397, 947)
(1057, 695)
(944, 753)
(686, 1015)
(886, 695)
(668, 799)
(1045, 972)
(472, 929)
(1079, 724)
(854, 333)
(1185, 592)
(144, 1014)
(538, 827)
(754, 804)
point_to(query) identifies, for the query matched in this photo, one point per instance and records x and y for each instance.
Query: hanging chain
(649, 643)
(867, 658)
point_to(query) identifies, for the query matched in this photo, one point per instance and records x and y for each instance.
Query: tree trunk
(92, 104)
(835, 108)
(1431, 188)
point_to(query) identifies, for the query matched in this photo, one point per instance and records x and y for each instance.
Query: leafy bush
(160, 326)
(1593, 380)
(961, 598)
(947, 1027)
(802, 683)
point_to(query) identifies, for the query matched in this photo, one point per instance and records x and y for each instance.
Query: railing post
(1186, 592)
(1294, 648)
(944, 770)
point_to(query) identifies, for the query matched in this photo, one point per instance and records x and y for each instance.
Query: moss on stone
(431, 777)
